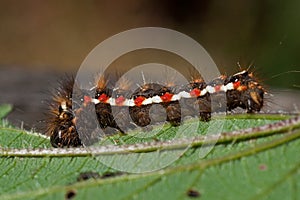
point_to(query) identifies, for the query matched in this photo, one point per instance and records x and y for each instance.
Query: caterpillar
(121, 109)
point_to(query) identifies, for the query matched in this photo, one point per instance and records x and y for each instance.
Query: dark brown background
(42, 40)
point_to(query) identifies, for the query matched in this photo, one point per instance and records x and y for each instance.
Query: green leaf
(16, 138)
(11, 137)
(4, 110)
(245, 163)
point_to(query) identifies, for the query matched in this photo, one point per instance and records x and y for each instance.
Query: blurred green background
(42, 39)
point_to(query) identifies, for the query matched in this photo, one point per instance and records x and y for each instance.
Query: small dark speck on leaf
(94, 175)
(70, 194)
(88, 175)
(111, 174)
(193, 193)
(263, 167)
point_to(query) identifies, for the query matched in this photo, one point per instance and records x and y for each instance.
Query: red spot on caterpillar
(166, 97)
(103, 98)
(195, 92)
(139, 100)
(236, 84)
(87, 99)
(218, 88)
(120, 100)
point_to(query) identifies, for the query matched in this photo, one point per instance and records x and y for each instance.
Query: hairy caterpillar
(122, 109)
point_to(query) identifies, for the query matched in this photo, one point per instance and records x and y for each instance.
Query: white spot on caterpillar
(230, 86)
(184, 94)
(63, 105)
(175, 97)
(203, 92)
(112, 101)
(147, 101)
(156, 99)
(210, 89)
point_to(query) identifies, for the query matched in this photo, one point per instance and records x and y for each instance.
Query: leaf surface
(263, 164)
